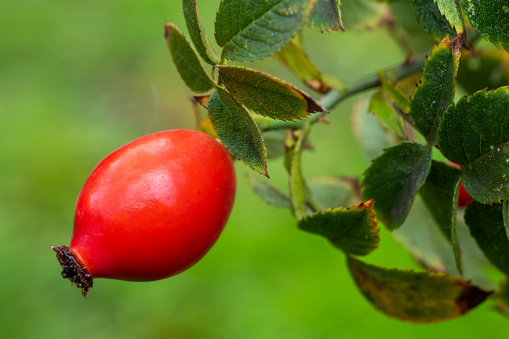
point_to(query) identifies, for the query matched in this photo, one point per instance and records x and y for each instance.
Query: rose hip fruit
(150, 209)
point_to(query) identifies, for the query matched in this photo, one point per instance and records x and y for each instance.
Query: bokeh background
(79, 79)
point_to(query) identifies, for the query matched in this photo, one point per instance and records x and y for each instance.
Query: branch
(334, 97)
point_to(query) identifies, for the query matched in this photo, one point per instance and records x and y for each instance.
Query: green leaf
(490, 18)
(298, 189)
(353, 230)
(432, 20)
(368, 132)
(387, 116)
(197, 32)
(452, 11)
(431, 250)
(505, 215)
(237, 130)
(266, 95)
(474, 133)
(361, 14)
(420, 297)
(394, 178)
(436, 92)
(440, 194)
(274, 141)
(422, 239)
(326, 16)
(396, 95)
(299, 63)
(332, 192)
(188, 64)
(268, 193)
(249, 30)
(487, 227)
(485, 68)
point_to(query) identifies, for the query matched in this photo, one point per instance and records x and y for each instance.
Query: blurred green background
(78, 80)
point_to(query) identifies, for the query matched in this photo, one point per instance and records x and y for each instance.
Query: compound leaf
(197, 32)
(474, 133)
(420, 297)
(436, 92)
(490, 18)
(184, 57)
(394, 178)
(435, 24)
(237, 130)
(249, 30)
(266, 95)
(326, 16)
(353, 230)
(487, 227)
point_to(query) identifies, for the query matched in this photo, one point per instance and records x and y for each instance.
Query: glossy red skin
(154, 207)
(463, 197)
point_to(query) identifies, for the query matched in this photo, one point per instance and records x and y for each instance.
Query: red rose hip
(150, 209)
(464, 199)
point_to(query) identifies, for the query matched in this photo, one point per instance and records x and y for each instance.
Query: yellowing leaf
(266, 95)
(419, 297)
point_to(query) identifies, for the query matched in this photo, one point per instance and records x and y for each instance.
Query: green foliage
(298, 190)
(331, 192)
(268, 193)
(197, 32)
(361, 14)
(436, 91)
(434, 23)
(490, 18)
(440, 194)
(96, 86)
(237, 130)
(396, 95)
(386, 114)
(415, 296)
(369, 132)
(394, 178)
(452, 11)
(294, 57)
(326, 16)
(353, 230)
(485, 68)
(267, 95)
(487, 227)
(187, 62)
(474, 133)
(251, 108)
(250, 30)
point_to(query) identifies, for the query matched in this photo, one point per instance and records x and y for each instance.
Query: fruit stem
(73, 269)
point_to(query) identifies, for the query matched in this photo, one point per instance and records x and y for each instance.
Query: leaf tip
(471, 297)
